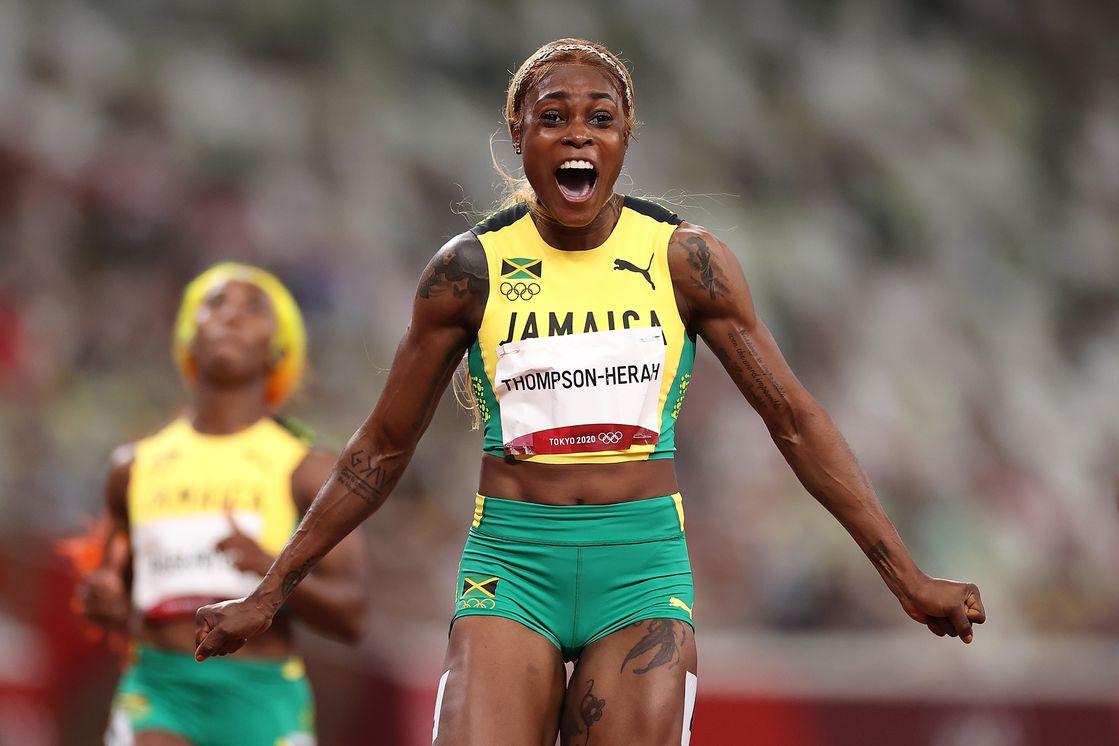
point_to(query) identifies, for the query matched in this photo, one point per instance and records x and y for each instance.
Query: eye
(551, 116)
(603, 118)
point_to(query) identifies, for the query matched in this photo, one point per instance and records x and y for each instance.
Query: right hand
(104, 599)
(222, 628)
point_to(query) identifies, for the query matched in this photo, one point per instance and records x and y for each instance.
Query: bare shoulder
(705, 272)
(455, 283)
(310, 475)
(458, 268)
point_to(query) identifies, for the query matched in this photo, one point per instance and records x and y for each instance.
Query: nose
(578, 135)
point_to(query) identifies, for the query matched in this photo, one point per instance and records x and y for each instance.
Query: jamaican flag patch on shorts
(478, 593)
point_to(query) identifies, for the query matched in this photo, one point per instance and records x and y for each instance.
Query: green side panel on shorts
(488, 407)
(666, 445)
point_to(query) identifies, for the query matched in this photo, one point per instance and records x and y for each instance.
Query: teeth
(577, 164)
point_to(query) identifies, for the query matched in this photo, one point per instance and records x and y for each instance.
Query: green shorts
(576, 573)
(221, 701)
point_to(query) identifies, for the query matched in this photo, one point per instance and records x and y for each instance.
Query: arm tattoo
(707, 275)
(460, 269)
(751, 364)
(292, 578)
(880, 558)
(364, 479)
(660, 637)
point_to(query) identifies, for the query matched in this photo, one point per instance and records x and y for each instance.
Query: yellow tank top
(581, 355)
(184, 489)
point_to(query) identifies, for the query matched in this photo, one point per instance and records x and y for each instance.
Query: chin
(225, 370)
(574, 214)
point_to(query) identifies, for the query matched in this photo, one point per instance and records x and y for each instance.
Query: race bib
(177, 563)
(580, 393)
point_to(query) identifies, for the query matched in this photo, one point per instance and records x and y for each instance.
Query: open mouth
(576, 179)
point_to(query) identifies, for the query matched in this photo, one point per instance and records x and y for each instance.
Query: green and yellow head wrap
(289, 343)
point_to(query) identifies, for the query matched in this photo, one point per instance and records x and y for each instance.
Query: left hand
(247, 555)
(946, 607)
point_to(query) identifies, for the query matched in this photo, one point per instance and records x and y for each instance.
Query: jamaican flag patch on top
(522, 269)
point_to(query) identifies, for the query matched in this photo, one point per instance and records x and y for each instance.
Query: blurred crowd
(924, 196)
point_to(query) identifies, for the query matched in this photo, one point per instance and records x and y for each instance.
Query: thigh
(633, 686)
(502, 686)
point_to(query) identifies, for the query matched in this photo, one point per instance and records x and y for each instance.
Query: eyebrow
(564, 95)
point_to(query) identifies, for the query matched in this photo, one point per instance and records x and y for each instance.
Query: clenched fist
(945, 607)
(222, 628)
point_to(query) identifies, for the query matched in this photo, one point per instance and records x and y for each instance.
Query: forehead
(240, 290)
(575, 79)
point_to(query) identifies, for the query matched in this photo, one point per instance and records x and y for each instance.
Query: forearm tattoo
(765, 387)
(880, 558)
(292, 578)
(460, 270)
(366, 479)
(664, 638)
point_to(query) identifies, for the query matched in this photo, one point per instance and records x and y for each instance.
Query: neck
(222, 410)
(589, 236)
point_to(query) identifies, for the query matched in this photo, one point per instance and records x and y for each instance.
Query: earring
(517, 149)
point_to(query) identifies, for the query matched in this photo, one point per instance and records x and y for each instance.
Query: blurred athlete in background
(578, 310)
(198, 512)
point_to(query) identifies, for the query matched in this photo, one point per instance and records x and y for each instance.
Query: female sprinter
(200, 509)
(578, 310)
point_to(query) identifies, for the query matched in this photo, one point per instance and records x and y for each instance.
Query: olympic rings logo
(609, 438)
(521, 290)
(478, 603)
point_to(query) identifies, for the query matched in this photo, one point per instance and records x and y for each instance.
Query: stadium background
(925, 197)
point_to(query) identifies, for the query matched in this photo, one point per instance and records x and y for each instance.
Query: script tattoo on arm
(458, 270)
(765, 388)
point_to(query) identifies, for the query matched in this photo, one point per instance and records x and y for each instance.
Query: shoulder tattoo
(458, 270)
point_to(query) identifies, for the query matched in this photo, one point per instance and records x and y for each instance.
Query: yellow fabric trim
(679, 508)
(479, 507)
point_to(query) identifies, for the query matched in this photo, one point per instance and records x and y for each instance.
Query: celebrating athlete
(199, 510)
(578, 311)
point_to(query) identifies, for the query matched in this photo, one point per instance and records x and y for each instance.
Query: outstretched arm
(332, 599)
(445, 317)
(716, 299)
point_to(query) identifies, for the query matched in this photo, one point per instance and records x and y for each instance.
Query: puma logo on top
(627, 266)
